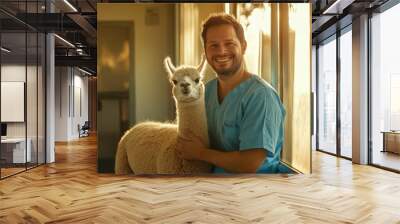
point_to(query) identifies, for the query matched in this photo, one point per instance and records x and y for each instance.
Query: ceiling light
(79, 51)
(70, 5)
(65, 41)
(5, 50)
(337, 7)
(84, 71)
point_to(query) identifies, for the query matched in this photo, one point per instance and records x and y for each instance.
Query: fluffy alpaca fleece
(149, 147)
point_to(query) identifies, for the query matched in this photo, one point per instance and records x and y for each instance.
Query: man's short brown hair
(222, 19)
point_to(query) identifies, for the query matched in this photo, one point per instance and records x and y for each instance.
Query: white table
(18, 145)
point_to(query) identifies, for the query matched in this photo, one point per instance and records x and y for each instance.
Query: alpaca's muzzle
(185, 88)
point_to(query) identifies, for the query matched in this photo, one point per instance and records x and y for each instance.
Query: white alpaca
(149, 147)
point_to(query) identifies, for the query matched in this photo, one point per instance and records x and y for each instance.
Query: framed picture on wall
(12, 101)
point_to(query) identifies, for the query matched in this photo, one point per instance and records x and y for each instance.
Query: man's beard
(232, 70)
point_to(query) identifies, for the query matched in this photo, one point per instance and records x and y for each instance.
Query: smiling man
(245, 115)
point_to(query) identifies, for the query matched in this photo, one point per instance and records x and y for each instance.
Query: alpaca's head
(186, 80)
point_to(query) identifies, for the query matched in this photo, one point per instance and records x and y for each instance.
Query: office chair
(84, 130)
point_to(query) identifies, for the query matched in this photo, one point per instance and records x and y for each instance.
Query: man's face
(223, 50)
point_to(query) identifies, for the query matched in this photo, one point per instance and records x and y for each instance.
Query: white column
(50, 93)
(50, 110)
(360, 90)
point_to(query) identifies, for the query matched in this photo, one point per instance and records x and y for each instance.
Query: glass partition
(14, 152)
(22, 90)
(327, 96)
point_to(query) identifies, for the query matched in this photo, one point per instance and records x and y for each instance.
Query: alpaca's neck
(192, 120)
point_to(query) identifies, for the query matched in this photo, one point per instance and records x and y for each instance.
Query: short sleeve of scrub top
(251, 116)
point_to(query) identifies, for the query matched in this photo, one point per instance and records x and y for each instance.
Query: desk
(15, 148)
(391, 141)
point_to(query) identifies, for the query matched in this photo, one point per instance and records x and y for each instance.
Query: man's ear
(244, 46)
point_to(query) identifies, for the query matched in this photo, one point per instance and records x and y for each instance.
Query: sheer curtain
(189, 19)
(279, 50)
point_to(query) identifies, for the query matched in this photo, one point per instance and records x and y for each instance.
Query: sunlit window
(385, 85)
(256, 21)
(346, 94)
(394, 101)
(327, 96)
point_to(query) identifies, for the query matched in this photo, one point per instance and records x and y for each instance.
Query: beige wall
(149, 43)
(133, 86)
(71, 102)
(62, 81)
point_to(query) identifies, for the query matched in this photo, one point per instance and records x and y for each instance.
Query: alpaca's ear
(169, 66)
(202, 66)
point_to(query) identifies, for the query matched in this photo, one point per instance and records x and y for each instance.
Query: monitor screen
(3, 129)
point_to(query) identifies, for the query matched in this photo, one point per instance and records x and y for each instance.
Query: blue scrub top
(250, 116)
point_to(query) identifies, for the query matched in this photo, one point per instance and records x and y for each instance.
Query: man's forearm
(237, 162)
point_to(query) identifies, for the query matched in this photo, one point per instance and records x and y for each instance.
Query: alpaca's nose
(185, 85)
(185, 88)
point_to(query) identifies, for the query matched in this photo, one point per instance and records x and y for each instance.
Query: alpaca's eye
(197, 80)
(175, 82)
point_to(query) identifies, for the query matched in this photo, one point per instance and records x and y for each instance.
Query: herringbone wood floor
(71, 191)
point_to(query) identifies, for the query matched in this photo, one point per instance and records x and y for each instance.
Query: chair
(84, 130)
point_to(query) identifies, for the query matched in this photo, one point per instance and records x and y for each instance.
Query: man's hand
(247, 161)
(191, 149)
